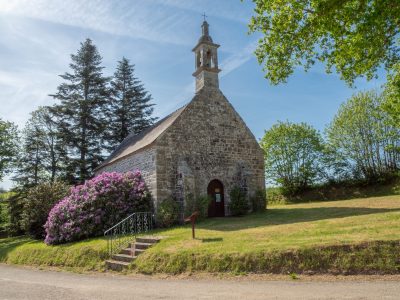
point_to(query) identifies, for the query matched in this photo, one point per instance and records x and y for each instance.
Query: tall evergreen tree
(131, 110)
(31, 168)
(81, 112)
(42, 152)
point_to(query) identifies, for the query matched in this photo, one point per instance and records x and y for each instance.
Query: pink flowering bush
(96, 205)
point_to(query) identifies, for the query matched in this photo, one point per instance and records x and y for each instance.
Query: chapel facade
(202, 148)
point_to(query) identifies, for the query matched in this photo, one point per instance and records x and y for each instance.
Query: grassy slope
(80, 256)
(263, 242)
(291, 238)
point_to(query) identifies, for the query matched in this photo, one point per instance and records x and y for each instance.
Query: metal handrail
(108, 230)
(119, 235)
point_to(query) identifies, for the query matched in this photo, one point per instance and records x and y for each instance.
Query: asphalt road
(23, 283)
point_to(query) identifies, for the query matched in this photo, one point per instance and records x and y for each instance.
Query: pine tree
(131, 110)
(42, 152)
(31, 168)
(83, 97)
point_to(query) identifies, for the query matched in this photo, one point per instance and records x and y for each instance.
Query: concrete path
(24, 283)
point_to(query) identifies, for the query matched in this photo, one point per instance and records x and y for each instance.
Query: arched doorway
(215, 190)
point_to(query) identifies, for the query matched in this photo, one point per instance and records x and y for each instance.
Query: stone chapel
(202, 148)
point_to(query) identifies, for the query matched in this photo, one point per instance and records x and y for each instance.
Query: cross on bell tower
(206, 60)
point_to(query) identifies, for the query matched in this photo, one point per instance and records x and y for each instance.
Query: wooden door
(216, 192)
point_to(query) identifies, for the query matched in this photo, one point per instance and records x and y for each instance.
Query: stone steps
(127, 251)
(116, 265)
(122, 260)
(139, 251)
(142, 245)
(148, 239)
(123, 257)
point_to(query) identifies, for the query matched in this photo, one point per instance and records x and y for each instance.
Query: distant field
(350, 236)
(343, 191)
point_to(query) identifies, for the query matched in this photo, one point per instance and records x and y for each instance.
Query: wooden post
(193, 234)
(192, 219)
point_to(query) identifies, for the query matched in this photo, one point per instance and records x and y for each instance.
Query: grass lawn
(350, 236)
(286, 238)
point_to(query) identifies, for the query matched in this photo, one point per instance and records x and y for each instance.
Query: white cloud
(237, 59)
(22, 92)
(212, 8)
(127, 18)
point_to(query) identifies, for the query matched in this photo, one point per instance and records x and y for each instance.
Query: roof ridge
(123, 149)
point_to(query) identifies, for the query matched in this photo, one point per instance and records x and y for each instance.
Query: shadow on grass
(211, 240)
(9, 244)
(282, 216)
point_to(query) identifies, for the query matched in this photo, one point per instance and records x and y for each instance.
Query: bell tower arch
(206, 61)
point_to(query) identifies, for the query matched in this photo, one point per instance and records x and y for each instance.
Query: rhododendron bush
(96, 205)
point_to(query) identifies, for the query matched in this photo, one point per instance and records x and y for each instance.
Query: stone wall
(208, 141)
(143, 160)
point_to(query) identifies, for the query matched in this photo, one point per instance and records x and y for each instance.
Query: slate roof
(135, 142)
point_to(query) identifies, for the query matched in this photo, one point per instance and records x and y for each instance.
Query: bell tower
(206, 61)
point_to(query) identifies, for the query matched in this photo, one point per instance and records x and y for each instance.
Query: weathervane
(204, 16)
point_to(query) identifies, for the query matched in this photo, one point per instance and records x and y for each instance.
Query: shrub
(37, 205)
(96, 205)
(167, 212)
(239, 204)
(259, 201)
(14, 211)
(199, 204)
(276, 196)
(3, 218)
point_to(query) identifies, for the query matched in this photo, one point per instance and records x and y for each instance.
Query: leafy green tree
(84, 98)
(362, 136)
(131, 110)
(293, 155)
(353, 38)
(392, 96)
(8, 146)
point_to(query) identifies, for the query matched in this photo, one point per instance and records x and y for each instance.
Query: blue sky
(38, 36)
